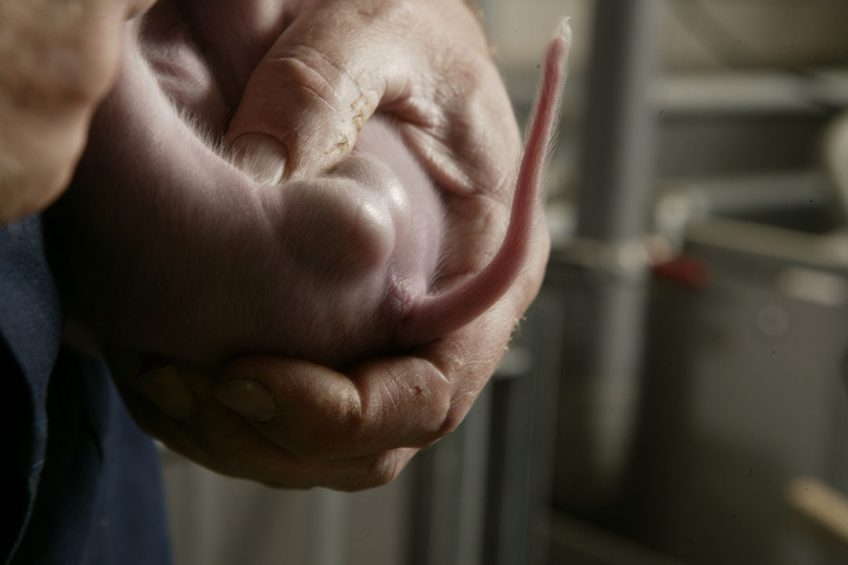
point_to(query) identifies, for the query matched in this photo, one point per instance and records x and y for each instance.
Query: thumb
(308, 98)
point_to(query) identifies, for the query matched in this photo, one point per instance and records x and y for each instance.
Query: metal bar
(447, 495)
(329, 528)
(521, 434)
(600, 388)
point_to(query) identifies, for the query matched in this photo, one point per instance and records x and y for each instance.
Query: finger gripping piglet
(166, 248)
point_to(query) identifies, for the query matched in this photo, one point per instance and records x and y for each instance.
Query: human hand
(59, 60)
(293, 424)
(136, 195)
(428, 64)
(346, 431)
(338, 61)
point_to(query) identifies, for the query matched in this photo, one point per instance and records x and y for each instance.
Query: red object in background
(691, 273)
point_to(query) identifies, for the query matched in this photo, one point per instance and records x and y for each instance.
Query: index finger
(314, 411)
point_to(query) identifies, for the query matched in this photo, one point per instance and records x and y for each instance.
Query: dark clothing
(80, 482)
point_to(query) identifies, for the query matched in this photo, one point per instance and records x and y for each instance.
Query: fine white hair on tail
(549, 97)
(564, 33)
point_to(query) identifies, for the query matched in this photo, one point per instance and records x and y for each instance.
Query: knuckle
(383, 470)
(443, 419)
(380, 471)
(436, 408)
(415, 410)
(326, 85)
(451, 421)
(350, 415)
(309, 74)
(316, 87)
(452, 404)
(318, 75)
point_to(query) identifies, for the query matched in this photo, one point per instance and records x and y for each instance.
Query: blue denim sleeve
(82, 481)
(30, 331)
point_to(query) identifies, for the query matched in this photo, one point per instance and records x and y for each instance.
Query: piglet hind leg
(437, 315)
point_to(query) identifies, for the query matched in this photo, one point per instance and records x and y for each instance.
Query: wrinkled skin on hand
(346, 430)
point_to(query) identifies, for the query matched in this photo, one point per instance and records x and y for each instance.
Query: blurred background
(677, 394)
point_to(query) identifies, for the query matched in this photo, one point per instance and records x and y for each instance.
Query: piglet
(165, 247)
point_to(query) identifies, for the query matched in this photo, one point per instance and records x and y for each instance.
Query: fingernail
(261, 156)
(167, 389)
(249, 398)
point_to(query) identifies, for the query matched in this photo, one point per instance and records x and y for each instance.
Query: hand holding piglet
(173, 202)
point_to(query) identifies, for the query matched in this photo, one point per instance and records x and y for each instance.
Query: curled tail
(440, 314)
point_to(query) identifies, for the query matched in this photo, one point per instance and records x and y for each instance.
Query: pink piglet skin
(163, 246)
